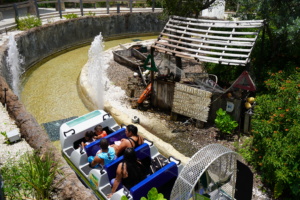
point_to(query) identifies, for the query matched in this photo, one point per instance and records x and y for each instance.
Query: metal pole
(107, 6)
(81, 7)
(153, 5)
(37, 9)
(59, 9)
(118, 8)
(16, 12)
(130, 5)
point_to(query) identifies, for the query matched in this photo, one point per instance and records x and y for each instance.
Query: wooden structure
(214, 41)
(223, 42)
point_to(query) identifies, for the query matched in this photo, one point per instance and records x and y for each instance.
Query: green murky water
(50, 90)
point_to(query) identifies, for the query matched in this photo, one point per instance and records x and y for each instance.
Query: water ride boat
(98, 179)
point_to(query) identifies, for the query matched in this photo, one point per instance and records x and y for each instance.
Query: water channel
(49, 91)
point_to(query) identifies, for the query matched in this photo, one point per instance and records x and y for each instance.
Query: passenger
(104, 156)
(133, 140)
(88, 138)
(100, 133)
(129, 172)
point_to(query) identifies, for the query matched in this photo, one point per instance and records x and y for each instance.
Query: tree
(281, 42)
(186, 8)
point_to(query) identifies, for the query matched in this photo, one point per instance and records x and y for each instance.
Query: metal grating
(223, 42)
(218, 162)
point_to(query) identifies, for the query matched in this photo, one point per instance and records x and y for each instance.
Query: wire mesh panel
(218, 164)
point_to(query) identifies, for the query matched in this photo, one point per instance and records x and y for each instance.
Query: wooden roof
(223, 42)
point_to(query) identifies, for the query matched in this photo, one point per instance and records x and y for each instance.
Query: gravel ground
(9, 150)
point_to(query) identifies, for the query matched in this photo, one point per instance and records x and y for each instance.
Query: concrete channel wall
(41, 42)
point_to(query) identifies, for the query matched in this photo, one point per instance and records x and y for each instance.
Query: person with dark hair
(104, 156)
(88, 137)
(100, 133)
(133, 140)
(129, 172)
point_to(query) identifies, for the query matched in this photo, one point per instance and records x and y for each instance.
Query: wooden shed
(201, 40)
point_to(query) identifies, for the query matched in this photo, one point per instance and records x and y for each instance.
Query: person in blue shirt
(104, 156)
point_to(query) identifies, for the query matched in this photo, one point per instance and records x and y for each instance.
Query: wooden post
(118, 8)
(16, 12)
(107, 6)
(130, 5)
(153, 5)
(81, 7)
(31, 9)
(178, 71)
(152, 76)
(59, 8)
(37, 9)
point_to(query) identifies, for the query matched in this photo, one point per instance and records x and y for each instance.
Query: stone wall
(41, 42)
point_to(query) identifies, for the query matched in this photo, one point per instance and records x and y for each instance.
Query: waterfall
(14, 61)
(96, 70)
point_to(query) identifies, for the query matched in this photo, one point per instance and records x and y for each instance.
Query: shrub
(30, 177)
(91, 13)
(71, 16)
(152, 195)
(275, 129)
(224, 122)
(28, 22)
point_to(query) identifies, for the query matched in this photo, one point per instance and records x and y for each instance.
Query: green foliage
(28, 22)
(71, 16)
(152, 195)
(245, 148)
(91, 13)
(276, 128)
(224, 122)
(281, 43)
(6, 139)
(31, 176)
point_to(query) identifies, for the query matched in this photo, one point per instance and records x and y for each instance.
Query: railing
(60, 5)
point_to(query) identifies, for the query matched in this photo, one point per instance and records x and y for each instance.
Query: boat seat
(142, 153)
(92, 148)
(163, 180)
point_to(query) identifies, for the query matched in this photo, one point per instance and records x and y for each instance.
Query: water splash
(96, 70)
(14, 61)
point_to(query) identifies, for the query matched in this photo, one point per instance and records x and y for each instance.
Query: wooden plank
(192, 56)
(208, 47)
(256, 22)
(201, 51)
(191, 102)
(218, 25)
(219, 42)
(210, 31)
(211, 36)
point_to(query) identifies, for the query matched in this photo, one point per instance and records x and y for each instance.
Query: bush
(29, 177)
(224, 122)
(275, 129)
(28, 22)
(71, 16)
(152, 195)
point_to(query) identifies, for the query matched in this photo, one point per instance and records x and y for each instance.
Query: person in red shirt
(100, 133)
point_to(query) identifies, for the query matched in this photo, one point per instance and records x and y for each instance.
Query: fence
(60, 5)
